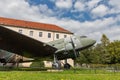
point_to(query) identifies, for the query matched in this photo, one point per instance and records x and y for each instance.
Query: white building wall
(44, 37)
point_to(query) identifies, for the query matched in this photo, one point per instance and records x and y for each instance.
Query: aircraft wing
(23, 45)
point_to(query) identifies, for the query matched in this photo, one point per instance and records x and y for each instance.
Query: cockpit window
(83, 36)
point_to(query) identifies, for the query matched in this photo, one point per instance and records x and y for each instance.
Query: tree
(105, 55)
(104, 40)
(85, 56)
(105, 52)
(96, 55)
(114, 50)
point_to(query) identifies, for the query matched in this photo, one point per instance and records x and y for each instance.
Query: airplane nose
(92, 41)
(87, 42)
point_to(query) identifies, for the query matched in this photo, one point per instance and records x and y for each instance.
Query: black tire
(67, 66)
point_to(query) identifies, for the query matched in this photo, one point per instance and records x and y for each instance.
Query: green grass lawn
(64, 75)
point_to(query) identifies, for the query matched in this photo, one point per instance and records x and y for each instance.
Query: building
(40, 31)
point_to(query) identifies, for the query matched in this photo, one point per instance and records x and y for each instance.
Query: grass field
(63, 75)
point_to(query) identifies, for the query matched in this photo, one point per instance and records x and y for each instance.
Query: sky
(90, 18)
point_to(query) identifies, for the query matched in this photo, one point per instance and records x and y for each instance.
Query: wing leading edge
(23, 45)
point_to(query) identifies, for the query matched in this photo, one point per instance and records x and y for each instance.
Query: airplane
(23, 45)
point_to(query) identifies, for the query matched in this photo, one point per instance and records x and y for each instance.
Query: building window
(49, 35)
(65, 36)
(20, 31)
(31, 33)
(57, 36)
(40, 34)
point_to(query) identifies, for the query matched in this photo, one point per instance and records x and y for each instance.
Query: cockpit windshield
(83, 36)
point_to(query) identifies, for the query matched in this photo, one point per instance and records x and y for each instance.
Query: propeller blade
(75, 53)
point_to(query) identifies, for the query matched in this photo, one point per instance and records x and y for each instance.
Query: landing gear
(3, 61)
(66, 65)
(56, 64)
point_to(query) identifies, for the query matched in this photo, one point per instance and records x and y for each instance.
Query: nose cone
(91, 41)
(87, 42)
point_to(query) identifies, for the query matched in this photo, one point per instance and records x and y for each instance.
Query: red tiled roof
(32, 25)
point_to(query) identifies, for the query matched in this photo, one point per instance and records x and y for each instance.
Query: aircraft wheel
(67, 66)
(56, 65)
(2, 60)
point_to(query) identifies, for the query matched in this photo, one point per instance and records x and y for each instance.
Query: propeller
(75, 53)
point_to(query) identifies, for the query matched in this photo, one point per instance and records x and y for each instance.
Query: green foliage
(105, 52)
(39, 64)
(114, 50)
(84, 56)
(104, 40)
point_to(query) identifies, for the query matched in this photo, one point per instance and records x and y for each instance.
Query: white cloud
(43, 8)
(79, 6)
(115, 6)
(83, 6)
(114, 3)
(113, 32)
(100, 11)
(63, 4)
(93, 3)
(20, 9)
(93, 29)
